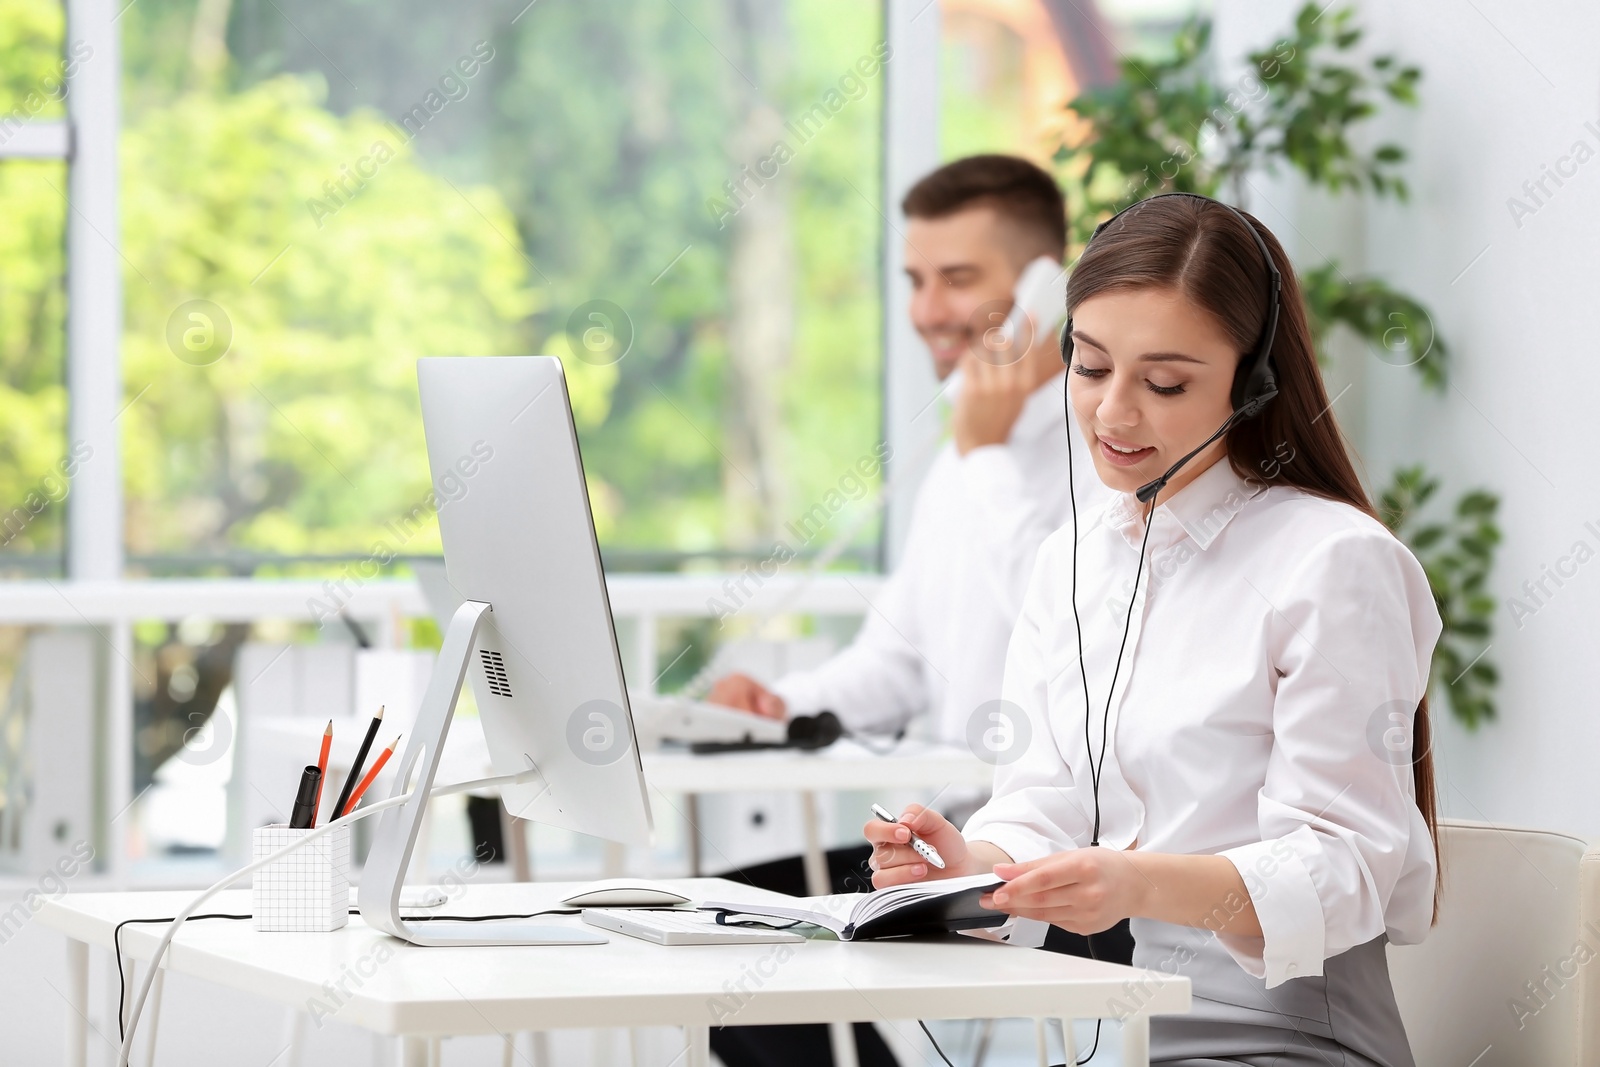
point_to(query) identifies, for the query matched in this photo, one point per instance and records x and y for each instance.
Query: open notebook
(930, 907)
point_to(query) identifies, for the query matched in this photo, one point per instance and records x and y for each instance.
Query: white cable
(123, 1056)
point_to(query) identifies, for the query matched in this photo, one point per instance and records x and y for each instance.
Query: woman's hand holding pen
(895, 862)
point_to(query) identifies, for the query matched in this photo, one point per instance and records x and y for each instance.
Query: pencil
(361, 760)
(383, 757)
(322, 769)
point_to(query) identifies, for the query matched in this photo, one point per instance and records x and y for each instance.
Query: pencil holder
(307, 890)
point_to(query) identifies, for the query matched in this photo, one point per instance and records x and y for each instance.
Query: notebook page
(887, 900)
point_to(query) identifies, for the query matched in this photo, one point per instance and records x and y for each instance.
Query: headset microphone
(1254, 385)
(1147, 491)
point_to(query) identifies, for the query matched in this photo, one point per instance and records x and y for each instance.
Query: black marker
(305, 802)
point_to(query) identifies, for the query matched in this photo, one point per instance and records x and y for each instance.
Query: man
(934, 641)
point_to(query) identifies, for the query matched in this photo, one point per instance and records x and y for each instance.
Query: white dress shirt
(1278, 640)
(934, 640)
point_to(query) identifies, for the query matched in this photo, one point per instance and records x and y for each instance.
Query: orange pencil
(322, 768)
(383, 757)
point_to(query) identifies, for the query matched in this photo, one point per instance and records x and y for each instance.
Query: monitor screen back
(514, 516)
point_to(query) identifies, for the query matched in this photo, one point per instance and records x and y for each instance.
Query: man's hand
(995, 384)
(745, 693)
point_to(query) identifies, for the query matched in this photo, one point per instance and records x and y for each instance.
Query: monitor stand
(398, 828)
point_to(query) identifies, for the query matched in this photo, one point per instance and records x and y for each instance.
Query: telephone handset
(1040, 301)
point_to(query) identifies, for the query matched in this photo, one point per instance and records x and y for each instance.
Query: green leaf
(1426, 537)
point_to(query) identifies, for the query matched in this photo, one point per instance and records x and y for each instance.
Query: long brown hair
(1200, 248)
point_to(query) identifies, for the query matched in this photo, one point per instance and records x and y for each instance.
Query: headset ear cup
(1066, 342)
(1244, 383)
(829, 728)
(1257, 384)
(802, 728)
(815, 731)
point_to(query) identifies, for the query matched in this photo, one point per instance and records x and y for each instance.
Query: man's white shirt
(934, 639)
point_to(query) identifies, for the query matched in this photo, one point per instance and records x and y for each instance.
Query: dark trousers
(807, 1045)
(1113, 946)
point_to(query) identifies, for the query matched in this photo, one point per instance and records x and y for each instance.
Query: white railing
(639, 599)
(243, 599)
(638, 602)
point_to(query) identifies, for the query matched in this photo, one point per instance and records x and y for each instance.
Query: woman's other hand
(1083, 890)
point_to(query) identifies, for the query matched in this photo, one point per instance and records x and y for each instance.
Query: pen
(361, 759)
(923, 849)
(383, 757)
(305, 807)
(322, 770)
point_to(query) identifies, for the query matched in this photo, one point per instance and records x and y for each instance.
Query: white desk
(842, 765)
(420, 994)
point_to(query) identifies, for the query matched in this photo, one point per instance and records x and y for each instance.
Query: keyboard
(681, 926)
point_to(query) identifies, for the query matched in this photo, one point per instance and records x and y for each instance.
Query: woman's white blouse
(1279, 645)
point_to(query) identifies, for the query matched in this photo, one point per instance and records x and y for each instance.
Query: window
(35, 460)
(677, 199)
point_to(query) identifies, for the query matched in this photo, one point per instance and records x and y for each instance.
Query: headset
(808, 733)
(1254, 384)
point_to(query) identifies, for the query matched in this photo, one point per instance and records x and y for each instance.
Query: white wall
(1506, 91)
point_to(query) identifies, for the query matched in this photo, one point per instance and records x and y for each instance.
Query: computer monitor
(534, 631)
(437, 592)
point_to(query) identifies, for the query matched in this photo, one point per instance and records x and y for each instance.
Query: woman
(1237, 736)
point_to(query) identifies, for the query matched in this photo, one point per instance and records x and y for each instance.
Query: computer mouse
(625, 893)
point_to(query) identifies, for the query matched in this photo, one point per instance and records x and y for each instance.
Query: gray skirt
(1345, 1017)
